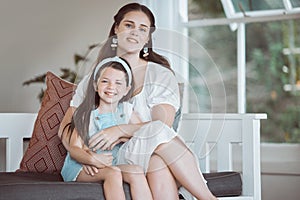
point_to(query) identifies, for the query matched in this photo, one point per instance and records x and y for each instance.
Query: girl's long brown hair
(81, 116)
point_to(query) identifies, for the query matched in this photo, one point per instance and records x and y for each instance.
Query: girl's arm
(79, 152)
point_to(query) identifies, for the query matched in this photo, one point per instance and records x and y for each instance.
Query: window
(272, 60)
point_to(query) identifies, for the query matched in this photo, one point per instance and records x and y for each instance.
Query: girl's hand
(90, 170)
(105, 139)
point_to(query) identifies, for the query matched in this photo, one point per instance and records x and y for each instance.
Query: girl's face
(111, 85)
(133, 32)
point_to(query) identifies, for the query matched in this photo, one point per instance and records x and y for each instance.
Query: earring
(114, 43)
(145, 50)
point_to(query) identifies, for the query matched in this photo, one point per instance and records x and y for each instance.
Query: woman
(155, 99)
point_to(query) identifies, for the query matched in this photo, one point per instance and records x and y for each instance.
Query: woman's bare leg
(160, 180)
(113, 182)
(135, 177)
(184, 168)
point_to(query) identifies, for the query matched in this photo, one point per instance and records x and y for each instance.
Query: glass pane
(200, 9)
(257, 5)
(295, 3)
(272, 68)
(213, 69)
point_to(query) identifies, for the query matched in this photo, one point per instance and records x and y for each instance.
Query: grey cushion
(223, 184)
(32, 185)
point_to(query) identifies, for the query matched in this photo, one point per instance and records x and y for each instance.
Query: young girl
(103, 106)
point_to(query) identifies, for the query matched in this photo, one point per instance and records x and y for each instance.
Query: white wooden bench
(14, 127)
(207, 134)
(213, 137)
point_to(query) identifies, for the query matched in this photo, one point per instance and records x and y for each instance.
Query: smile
(110, 93)
(132, 40)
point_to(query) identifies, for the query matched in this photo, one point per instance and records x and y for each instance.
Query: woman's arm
(79, 152)
(163, 112)
(109, 137)
(63, 132)
(75, 147)
(112, 136)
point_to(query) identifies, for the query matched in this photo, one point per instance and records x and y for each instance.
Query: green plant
(281, 106)
(67, 73)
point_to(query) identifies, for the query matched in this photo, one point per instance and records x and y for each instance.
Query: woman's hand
(103, 159)
(105, 139)
(123, 139)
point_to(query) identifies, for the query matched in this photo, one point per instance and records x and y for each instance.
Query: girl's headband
(114, 59)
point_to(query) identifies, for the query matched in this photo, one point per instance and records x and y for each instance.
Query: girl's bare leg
(113, 182)
(160, 179)
(135, 177)
(184, 168)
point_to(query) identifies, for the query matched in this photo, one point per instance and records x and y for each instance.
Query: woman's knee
(156, 163)
(158, 169)
(134, 173)
(133, 169)
(113, 173)
(174, 148)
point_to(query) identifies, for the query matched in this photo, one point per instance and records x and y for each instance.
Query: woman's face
(133, 32)
(112, 85)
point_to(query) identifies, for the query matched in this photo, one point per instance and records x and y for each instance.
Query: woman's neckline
(141, 88)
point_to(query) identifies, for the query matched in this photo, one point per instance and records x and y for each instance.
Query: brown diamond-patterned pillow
(45, 152)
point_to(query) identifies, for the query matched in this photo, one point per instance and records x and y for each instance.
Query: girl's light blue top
(98, 122)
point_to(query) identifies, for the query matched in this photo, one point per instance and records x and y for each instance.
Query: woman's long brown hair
(107, 51)
(81, 116)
